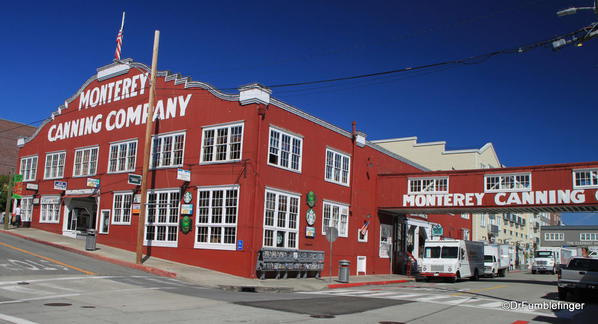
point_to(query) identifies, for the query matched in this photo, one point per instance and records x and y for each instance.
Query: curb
(367, 283)
(152, 270)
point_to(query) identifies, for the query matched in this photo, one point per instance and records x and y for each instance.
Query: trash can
(343, 271)
(90, 240)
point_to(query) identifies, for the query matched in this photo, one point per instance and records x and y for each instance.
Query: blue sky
(536, 108)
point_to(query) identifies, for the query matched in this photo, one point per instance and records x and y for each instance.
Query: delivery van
(452, 259)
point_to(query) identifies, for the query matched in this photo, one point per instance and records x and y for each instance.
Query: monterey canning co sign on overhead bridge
(111, 92)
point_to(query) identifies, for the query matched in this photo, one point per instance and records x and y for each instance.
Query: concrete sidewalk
(197, 275)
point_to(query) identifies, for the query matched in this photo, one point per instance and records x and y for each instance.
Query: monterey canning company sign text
(118, 118)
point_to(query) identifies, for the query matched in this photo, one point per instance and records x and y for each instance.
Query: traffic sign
(331, 234)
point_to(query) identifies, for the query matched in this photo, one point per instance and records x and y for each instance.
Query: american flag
(119, 40)
(364, 229)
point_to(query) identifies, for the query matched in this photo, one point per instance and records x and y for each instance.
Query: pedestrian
(18, 216)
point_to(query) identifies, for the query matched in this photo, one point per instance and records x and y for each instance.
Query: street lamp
(573, 10)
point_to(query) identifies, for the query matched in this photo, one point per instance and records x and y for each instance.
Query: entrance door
(79, 215)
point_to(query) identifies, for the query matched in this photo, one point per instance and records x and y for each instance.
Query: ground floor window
(281, 224)
(121, 211)
(336, 215)
(50, 209)
(217, 211)
(26, 209)
(161, 224)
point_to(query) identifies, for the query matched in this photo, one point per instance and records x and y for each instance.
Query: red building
(252, 161)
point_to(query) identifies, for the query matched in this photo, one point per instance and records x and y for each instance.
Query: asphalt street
(42, 284)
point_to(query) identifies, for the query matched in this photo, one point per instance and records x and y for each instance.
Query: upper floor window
(86, 162)
(29, 168)
(337, 167)
(122, 156)
(335, 215)
(281, 219)
(285, 150)
(217, 210)
(554, 236)
(585, 178)
(222, 143)
(428, 185)
(507, 182)
(167, 150)
(588, 236)
(54, 165)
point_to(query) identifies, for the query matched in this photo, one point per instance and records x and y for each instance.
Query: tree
(4, 185)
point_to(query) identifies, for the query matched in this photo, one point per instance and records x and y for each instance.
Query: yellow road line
(478, 290)
(49, 259)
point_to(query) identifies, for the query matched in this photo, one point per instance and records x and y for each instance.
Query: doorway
(79, 215)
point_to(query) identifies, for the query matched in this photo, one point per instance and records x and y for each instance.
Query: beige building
(520, 231)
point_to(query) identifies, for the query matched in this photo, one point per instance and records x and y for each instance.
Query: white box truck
(546, 260)
(496, 260)
(452, 259)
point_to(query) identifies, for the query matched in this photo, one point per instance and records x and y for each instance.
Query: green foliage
(4, 186)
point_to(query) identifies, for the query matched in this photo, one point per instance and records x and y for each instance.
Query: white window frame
(386, 243)
(121, 208)
(119, 157)
(228, 145)
(287, 229)
(343, 212)
(554, 236)
(60, 157)
(592, 177)
(161, 137)
(28, 168)
(102, 216)
(433, 185)
(465, 215)
(275, 148)
(588, 236)
(171, 227)
(88, 172)
(334, 168)
(26, 208)
(55, 211)
(502, 180)
(362, 238)
(222, 209)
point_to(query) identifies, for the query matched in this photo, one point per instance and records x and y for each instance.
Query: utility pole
(146, 151)
(8, 199)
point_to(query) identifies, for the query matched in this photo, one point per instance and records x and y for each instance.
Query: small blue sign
(240, 245)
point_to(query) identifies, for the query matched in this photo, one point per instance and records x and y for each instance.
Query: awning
(81, 196)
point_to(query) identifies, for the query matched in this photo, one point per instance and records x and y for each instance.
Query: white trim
(173, 135)
(590, 186)
(100, 221)
(274, 228)
(121, 222)
(447, 178)
(340, 207)
(124, 140)
(167, 224)
(341, 157)
(83, 149)
(282, 191)
(63, 165)
(292, 136)
(222, 225)
(36, 167)
(487, 175)
(242, 121)
(365, 239)
(215, 128)
(117, 144)
(41, 203)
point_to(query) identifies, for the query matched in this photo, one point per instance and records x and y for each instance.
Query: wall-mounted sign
(187, 209)
(93, 183)
(50, 200)
(310, 217)
(135, 208)
(310, 232)
(182, 174)
(311, 199)
(186, 224)
(437, 230)
(18, 189)
(60, 185)
(240, 245)
(187, 197)
(32, 186)
(137, 198)
(134, 179)
(73, 192)
(35, 201)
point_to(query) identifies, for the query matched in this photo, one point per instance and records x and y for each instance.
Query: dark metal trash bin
(90, 240)
(343, 271)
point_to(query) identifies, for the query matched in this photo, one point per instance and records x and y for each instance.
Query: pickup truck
(581, 274)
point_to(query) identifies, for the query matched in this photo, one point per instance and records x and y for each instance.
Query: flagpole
(122, 25)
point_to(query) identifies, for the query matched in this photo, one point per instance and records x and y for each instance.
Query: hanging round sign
(187, 197)
(310, 217)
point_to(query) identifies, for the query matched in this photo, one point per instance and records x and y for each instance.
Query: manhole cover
(58, 304)
(22, 283)
(88, 307)
(322, 316)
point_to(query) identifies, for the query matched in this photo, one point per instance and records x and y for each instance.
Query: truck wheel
(562, 294)
(533, 271)
(494, 274)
